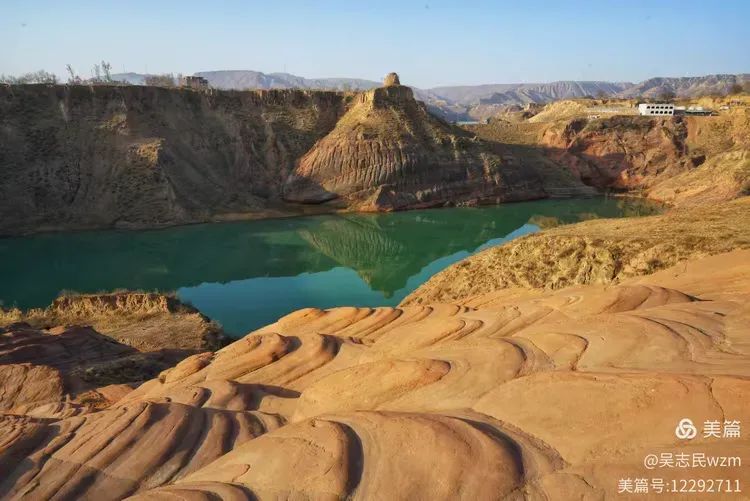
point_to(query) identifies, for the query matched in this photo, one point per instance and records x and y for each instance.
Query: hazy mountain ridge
(527, 92)
(446, 97)
(686, 86)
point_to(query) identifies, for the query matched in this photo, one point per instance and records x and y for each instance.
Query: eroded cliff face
(131, 156)
(78, 156)
(678, 160)
(387, 152)
(622, 152)
(682, 160)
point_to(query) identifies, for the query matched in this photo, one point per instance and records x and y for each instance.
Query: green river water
(247, 274)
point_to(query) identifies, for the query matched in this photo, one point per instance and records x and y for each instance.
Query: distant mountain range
(456, 101)
(686, 86)
(257, 80)
(246, 79)
(526, 93)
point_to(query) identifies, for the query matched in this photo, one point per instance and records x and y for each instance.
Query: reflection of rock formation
(358, 243)
(155, 260)
(397, 246)
(544, 222)
(387, 250)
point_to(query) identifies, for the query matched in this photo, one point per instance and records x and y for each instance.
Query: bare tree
(96, 74)
(73, 79)
(107, 69)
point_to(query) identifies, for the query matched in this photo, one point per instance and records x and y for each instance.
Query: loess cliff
(388, 152)
(137, 157)
(681, 160)
(132, 156)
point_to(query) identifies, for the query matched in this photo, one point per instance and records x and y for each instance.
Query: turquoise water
(247, 274)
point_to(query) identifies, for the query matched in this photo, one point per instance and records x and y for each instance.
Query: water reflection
(249, 272)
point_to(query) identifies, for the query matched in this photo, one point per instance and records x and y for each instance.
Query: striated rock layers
(387, 152)
(554, 396)
(681, 160)
(620, 152)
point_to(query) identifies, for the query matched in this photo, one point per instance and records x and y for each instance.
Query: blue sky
(429, 43)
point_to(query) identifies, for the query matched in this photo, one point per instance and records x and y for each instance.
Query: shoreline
(274, 214)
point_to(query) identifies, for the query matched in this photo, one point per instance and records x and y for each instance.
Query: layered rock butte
(387, 152)
(521, 393)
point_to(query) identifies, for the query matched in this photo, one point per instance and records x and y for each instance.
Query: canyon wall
(127, 156)
(75, 157)
(677, 160)
(680, 160)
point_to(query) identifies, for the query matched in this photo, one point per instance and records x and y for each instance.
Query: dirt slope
(684, 161)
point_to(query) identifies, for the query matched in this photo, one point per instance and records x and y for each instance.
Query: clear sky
(429, 43)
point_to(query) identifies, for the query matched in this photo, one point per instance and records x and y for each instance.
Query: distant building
(655, 109)
(195, 82)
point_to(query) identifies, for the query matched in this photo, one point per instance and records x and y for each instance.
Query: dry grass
(594, 252)
(146, 321)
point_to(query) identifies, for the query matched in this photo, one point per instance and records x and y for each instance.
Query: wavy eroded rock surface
(530, 395)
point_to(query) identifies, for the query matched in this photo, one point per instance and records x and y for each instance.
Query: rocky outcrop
(145, 321)
(387, 152)
(391, 79)
(621, 152)
(680, 160)
(65, 372)
(557, 395)
(82, 353)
